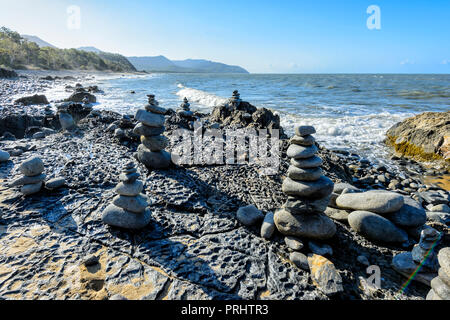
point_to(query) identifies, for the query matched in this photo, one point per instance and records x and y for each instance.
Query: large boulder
(79, 96)
(313, 226)
(376, 227)
(6, 73)
(425, 136)
(381, 202)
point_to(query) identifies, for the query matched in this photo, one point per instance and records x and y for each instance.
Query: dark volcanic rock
(31, 100)
(5, 73)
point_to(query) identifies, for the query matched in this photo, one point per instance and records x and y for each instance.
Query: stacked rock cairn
(184, 110)
(128, 209)
(423, 255)
(150, 127)
(33, 176)
(440, 286)
(308, 189)
(235, 100)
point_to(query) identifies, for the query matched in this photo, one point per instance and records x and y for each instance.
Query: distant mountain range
(156, 64)
(41, 43)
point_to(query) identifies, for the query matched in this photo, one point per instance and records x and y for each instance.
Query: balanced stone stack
(33, 176)
(235, 100)
(308, 189)
(381, 215)
(129, 208)
(151, 152)
(440, 286)
(185, 110)
(407, 263)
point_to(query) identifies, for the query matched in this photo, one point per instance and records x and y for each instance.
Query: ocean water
(350, 111)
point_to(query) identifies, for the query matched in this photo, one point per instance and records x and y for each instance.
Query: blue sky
(261, 36)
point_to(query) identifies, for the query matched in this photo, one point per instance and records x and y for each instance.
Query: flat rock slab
(150, 119)
(374, 201)
(311, 174)
(325, 275)
(312, 189)
(313, 226)
(268, 226)
(376, 227)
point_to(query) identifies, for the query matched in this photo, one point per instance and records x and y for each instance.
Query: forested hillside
(19, 53)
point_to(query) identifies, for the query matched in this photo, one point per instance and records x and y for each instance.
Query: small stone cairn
(151, 126)
(128, 209)
(184, 110)
(308, 189)
(440, 286)
(33, 176)
(235, 100)
(407, 263)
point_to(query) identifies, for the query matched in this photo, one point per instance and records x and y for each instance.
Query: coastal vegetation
(18, 53)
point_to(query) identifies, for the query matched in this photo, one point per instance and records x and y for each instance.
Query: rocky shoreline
(54, 244)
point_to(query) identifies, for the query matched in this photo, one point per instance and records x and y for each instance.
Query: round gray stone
(129, 189)
(118, 217)
(30, 189)
(27, 180)
(149, 119)
(444, 258)
(249, 215)
(312, 162)
(374, 201)
(440, 288)
(304, 130)
(155, 160)
(300, 260)
(142, 130)
(4, 156)
(155, 143)
(311, 174)
(339, 187)
(312, 189)
(55, 183)
(376, 227)
(300, 205)
(410, 215)
(268, 226)
(32, 167)
(293, 243)
(303, 141)
(300, 152)
(337, 214)
(315, 226)
(155, 109)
